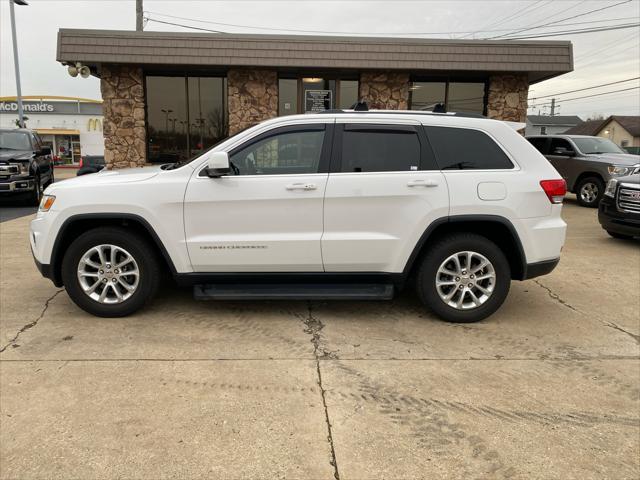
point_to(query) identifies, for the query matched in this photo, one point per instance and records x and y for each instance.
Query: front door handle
(302, 186)
(422, 183)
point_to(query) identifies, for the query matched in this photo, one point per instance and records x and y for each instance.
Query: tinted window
(462, 148)
(539, 143)
(372, 150)
(559, 143)
(284, 153)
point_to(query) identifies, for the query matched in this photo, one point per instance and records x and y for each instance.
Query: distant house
(550, 125)
(623, 130)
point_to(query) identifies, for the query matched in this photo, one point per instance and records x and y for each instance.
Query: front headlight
(611, 188)
(621, 170)
(47, 202)
(24, 168)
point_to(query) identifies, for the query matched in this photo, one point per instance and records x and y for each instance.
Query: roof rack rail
(411, 112)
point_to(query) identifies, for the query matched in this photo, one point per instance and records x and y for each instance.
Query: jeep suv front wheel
(464, 278)
(110, 272)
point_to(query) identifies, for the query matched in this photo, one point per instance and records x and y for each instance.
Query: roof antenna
(360, 106)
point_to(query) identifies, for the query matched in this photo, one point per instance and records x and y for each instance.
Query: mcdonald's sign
(94, 124)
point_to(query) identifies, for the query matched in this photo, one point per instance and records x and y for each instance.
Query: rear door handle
(301, 186)
(422, 183)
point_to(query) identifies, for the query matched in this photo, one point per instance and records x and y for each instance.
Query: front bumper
(16, 186)
(613, 220)
(44, 269)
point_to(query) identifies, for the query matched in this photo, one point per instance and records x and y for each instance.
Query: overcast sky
(600, 57)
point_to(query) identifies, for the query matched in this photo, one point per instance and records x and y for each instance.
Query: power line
(506, 19)
(577, 31)
(562, 20)
(293, 30)
(587, 88)
(589, 96)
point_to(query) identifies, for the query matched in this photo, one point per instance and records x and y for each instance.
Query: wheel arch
(78, 224)
(584, 175)
(496, 228)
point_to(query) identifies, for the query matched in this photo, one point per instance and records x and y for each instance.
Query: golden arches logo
(94, 124)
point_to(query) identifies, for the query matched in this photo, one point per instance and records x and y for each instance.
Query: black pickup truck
(619, 209)
(26, 167)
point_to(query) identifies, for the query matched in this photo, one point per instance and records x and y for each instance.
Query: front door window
(295, 152)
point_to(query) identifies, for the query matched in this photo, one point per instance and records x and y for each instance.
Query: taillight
(555, 189)
(81, 162)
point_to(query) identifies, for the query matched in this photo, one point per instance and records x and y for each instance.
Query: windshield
(589, 145)
(14, 141)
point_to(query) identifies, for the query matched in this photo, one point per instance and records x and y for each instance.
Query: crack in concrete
(314, 326)
(620, 329)
(609, 324)
(556, 297)
(31, 324)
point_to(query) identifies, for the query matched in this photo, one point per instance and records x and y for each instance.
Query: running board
(292, 291)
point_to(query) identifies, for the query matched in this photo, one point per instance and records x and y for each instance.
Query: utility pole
(139, 11)
(553, 107)
(16, 63)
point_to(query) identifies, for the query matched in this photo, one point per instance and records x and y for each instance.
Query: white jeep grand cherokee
(337, 205)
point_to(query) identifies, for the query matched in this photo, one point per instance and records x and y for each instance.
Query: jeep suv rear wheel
(110, 272)
(464, 278)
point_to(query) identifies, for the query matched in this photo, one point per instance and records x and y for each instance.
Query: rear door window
(464, 148)
(540, 143)
(381, 148)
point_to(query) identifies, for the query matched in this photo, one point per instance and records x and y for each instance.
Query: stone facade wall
(507, 99)
(385, 90)
(253, 97)
(124, 117)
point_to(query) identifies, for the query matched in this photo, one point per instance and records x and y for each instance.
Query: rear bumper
(538, 269)
(613, 220)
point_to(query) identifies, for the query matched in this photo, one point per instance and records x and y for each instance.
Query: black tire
(620, 235)
(137, 246)
(586, 200)
(36, 195)
(441, 250)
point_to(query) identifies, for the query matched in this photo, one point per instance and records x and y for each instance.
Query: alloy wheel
(465, 280)
(589, 192)
(108, 274)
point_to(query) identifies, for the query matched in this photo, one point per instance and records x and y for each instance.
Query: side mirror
(564, 152)
(45, 151)
(217, 165)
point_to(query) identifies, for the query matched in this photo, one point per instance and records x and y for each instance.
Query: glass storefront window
(456, 96)
(318, 94)
(466, 97)
(207, 112)
(185, 115)
(426, 95)
(348, 90)
(287, 96)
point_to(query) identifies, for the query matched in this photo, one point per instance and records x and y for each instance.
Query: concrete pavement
(549, 387)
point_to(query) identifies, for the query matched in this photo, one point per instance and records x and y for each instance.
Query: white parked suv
(337, 205)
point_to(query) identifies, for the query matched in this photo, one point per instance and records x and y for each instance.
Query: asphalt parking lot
(549, 387)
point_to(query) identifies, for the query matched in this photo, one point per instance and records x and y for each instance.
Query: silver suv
(586, 163)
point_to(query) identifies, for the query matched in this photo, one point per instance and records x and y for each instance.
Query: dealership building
(168, 96)
(70, 126)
